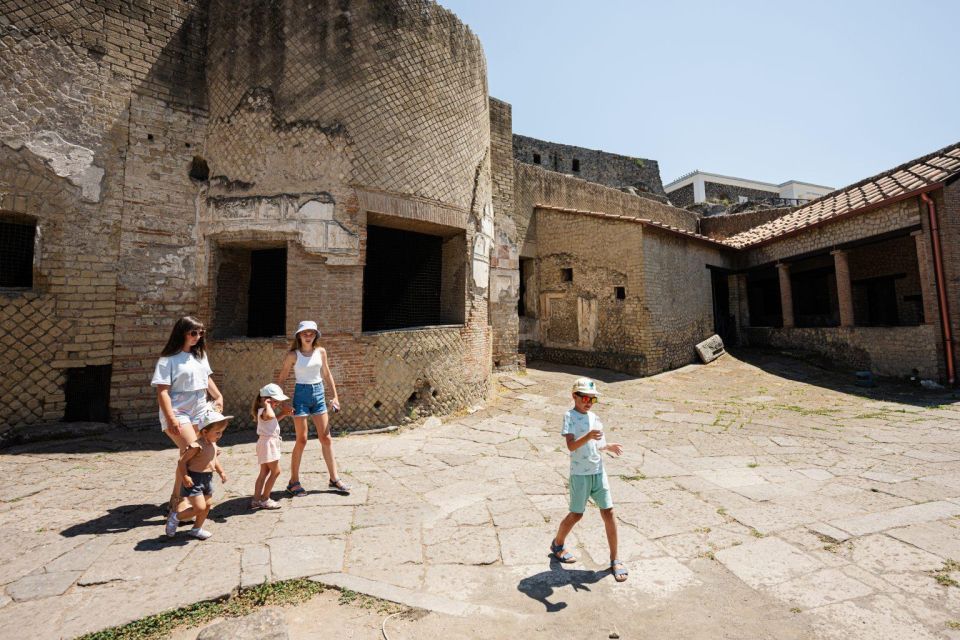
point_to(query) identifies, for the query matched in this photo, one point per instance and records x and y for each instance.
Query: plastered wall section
(677, 310)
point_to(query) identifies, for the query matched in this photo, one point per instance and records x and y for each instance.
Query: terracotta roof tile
(909, 178)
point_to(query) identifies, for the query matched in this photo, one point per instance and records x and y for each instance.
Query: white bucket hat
(307, 325)
(586, 387)
(212, 418)
(273, 391)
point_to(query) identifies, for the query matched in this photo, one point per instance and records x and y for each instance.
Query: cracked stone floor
(758, 496)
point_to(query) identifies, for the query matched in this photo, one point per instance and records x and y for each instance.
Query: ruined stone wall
(888, 351)
(727, 225)
(899, 215)
(581, 319)
(74, 78)
(325, 118)
(677, 308)
(716, 192)
(947, 202)
(681, 197)
(604, 168)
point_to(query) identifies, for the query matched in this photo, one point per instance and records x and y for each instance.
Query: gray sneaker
(172, 523)
(199, 534)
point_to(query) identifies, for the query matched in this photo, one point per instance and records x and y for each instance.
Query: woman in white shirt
(183, 382)
(309, 362)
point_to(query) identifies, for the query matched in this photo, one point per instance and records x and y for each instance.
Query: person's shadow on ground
(541, 586)
(118, 519)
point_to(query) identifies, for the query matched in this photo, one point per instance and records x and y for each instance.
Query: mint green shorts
(596, 487)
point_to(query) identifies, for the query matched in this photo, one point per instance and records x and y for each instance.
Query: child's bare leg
(261, 478)
(300, 424)
(322, 423)
(200, 510)
(274, 469)
(610, 524)
(183, 435)
(566, 525)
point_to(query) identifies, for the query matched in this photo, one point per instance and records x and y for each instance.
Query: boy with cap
(195, 469)
(588, 479)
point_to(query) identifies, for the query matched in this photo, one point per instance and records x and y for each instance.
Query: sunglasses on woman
(196, 333)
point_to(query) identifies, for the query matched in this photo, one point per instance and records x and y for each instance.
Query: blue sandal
(294, 489)
(620, 575)
(559, 552)
(338, 485)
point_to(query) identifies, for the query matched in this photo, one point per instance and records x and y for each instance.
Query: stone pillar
(786, 295)
(739, 284)
(844, 291)
(928, 284)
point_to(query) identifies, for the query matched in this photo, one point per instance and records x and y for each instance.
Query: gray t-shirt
(586, 460)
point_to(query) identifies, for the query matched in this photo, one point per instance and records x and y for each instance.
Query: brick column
(928, 285)
(786, 295)
(844, 291)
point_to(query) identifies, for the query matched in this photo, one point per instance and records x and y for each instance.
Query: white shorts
(188, 406)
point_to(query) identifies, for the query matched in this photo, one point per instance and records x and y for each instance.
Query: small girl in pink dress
(268, 410)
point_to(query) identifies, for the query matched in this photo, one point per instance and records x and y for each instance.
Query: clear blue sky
(825, 92)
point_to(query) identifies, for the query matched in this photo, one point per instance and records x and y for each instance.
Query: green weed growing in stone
(755, 533)
(635, 478)
(795, 609)
(953, 624)
(753, 465)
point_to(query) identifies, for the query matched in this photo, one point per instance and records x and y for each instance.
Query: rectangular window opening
(251, 292)
(576, 165)
(16, 254)
(525, 266)
(87, 394)
(620, 293)
(413, 279)
(566, 275)
(536, 158)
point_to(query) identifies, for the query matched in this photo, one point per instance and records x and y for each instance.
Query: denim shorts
(308, 400)
(202, 484)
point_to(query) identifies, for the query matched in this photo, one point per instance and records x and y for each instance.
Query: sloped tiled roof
(907, 180)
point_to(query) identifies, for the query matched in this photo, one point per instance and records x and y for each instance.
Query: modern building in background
(699, 187)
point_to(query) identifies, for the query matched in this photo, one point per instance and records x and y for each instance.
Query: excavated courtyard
(759, 496)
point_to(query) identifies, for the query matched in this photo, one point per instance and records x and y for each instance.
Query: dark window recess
(576, 165)
(763, 299)
(199, 169)
(401, 280)
(566, 275)
(536, 158)
(87, 392)
(16, 254)
(266, 310)
(620, 293)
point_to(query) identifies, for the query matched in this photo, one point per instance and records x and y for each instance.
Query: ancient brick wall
(73, 77)
(504, 263)
(726, 193)
(581, 261)
(731, 224)
(899, 215)
(889, 351)
(604, 168)
(947, 203)
(678, 297)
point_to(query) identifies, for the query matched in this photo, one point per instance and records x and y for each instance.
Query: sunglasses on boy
(592, 399)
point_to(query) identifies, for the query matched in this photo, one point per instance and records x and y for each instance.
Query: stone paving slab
(814, 498)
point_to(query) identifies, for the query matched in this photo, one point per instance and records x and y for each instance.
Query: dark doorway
(268, 293)
(87, 392)
(723, 323)
(524, 274)
(763, 298)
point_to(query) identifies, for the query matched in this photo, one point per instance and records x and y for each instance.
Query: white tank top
(309, 369)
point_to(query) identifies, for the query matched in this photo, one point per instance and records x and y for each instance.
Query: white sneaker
(172, 524)
(270, 503)
(199, 534)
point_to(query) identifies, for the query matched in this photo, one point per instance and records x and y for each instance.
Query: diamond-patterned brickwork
(30, 336)
(406, 87)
